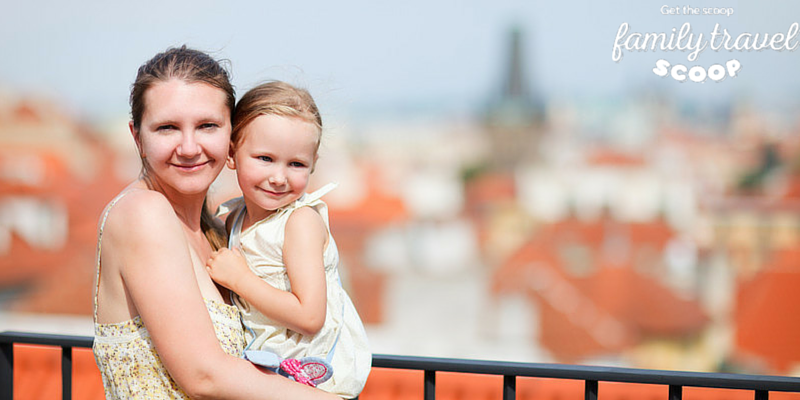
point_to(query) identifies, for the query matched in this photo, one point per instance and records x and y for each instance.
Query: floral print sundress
(127, 359)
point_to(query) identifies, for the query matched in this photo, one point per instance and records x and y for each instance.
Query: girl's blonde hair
(274, 98)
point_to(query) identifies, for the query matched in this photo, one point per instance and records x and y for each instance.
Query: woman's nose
(188, 147)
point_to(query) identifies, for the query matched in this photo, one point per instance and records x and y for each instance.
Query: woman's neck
(188, 208)
(189, 213)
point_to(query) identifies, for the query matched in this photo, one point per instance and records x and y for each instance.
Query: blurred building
(55, 176)
(514, 120)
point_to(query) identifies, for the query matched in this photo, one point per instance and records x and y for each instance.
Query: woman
(162, 327)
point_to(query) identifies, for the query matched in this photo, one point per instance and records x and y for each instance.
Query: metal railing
(66, 343)
(760, 385)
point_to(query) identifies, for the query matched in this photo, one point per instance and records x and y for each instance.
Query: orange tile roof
(594, 232)
(60, 280)
(651, 307)
(792, 187)
(351, 227)
(610, 157)
(766, 310)
(375, 210)
(610, 293)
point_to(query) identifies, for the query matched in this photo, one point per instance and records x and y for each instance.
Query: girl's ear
(314, 166)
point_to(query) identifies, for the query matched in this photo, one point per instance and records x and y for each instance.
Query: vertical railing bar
(509, 387)
(675, 392)
(7, 371)
(66, 372)
(762, 395)
(591, 390)
(430, 385)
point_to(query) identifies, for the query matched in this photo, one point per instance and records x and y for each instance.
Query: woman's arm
(301, 310)
(149, 242)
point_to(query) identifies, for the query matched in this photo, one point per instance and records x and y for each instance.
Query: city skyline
(357, 56)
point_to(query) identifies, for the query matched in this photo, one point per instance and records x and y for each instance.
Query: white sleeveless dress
(342, 339)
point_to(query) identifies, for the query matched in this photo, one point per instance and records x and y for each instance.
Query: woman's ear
(136, 138)
(231, 162)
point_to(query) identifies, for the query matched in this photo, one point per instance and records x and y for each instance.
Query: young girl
(287, 285)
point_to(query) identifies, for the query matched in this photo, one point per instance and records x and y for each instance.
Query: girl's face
(184, 135)
(273, 162)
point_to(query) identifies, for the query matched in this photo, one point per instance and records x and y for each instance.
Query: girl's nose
(278, 178)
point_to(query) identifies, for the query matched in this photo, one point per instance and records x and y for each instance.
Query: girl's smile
(273, 162)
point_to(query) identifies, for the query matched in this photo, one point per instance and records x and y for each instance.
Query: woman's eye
(209, 126)
(166, 127)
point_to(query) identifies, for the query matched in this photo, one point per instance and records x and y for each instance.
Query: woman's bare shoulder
(140, 211)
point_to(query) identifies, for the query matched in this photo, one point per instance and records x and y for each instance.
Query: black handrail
(7, 341)
(676, 380)
(761, 385)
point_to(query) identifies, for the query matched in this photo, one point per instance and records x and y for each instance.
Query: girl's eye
(297, 164)
(264, 158)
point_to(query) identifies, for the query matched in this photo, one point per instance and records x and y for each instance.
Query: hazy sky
(360, 53)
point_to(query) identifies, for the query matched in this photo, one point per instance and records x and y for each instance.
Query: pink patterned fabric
(294, 368)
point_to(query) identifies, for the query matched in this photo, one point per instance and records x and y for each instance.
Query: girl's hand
(228, 268)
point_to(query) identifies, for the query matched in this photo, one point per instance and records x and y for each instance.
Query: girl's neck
(253, 214)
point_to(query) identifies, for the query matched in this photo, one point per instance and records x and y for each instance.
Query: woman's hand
(228, 268)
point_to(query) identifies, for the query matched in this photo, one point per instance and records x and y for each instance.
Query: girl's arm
(148, 242)
(301, 310)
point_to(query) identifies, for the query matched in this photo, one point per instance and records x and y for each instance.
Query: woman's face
(184, 135)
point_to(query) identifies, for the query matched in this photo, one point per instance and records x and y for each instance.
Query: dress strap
(317, 194)
(229, 206)
(237, 209)
(99, 247)
(236, 227)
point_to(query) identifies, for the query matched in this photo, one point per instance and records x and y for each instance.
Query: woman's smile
(192, 167)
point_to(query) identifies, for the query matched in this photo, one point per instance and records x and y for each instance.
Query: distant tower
(514, 120)
(515, 85)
